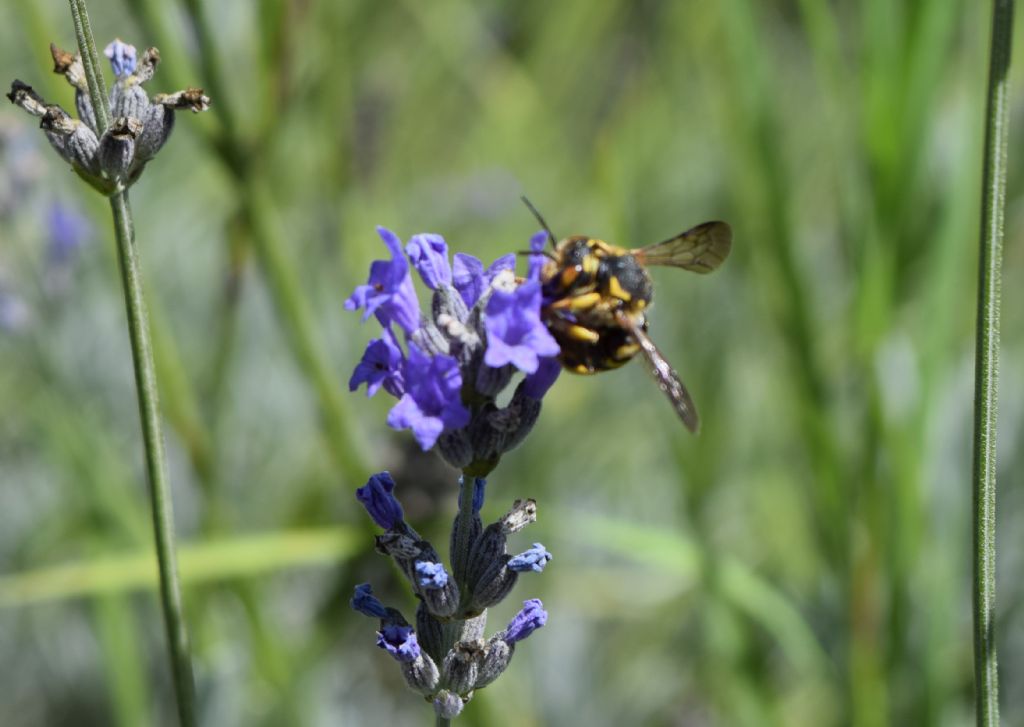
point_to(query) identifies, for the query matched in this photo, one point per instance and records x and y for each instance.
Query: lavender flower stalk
(108, 146)
(483, 327)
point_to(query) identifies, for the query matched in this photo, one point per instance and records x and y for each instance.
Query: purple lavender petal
(515, 333)
(529, 619)
(376, 496)
(400, 641)
(433, 397)
(431, 576)
(389, 292)
(533, 559)
(381, 365)
(536, 264)
(537, 384)
(122, 57)
(366, 603)
(468, 278)
(429, 255)
(68, 230)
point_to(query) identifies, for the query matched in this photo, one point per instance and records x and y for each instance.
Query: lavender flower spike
(379, 502)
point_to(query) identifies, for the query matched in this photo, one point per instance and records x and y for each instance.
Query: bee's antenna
(540, 219)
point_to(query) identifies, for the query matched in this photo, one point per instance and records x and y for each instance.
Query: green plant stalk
(156, 462)
(146, 387)
(993, 204)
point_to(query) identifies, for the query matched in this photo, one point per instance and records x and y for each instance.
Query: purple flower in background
(432, 401)
(376, 496)
(15, 314)
(68, 230)
(122, 57)
(470, 278)
(388, 294)
(429, 255)
(381, 365)
(399, 640)
(529, 619)
(515, 333)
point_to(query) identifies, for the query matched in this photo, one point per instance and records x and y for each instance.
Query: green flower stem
(443, 722)
(146, 387)
(993, 202)
(156, 462)
(91, 63)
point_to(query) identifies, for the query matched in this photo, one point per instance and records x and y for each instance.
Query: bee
(596, 296)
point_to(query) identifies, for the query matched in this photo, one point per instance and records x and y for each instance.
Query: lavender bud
(497, 657)
(430, 632)
(462, 664)
(493, 587)
(530, 618)
(421, 674)
(484, 438)
(446, 300)
(400, 545)
(157, 123)
(447, 705)
(455, 448)
(461, 555)
(430, 340)
(399, 640)
(75, 141)
(129, 100)
(442, 602)
(431, 576)
(366, 603)
(527, 411)
(491, 381)
(376, 496)
(117, 147)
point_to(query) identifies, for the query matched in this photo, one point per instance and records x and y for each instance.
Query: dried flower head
(113, 159)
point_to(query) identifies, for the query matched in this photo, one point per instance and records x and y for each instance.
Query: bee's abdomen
(612, 348)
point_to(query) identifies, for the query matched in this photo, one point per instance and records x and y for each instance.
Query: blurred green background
(804, 561)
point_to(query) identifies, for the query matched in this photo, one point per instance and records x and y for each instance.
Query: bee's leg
(574, 331)
(577, 303)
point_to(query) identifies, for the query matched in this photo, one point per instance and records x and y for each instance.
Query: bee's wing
(663, 373)
(700, 249)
